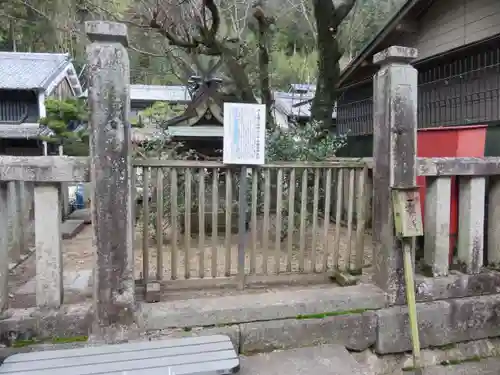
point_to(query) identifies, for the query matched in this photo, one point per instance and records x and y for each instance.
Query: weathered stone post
(394, 154)
(110, 160)
(14, 222)
(49, 270)
(4, 251)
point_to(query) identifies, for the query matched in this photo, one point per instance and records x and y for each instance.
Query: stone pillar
(437, 225)
(110, 163)
(394, 157)
(27, 193)
(24, 201)
(14, 222)
(4, 251)
(493, 220)
(471, 202)
(49, 271)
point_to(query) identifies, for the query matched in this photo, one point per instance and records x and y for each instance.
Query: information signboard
(244, 133)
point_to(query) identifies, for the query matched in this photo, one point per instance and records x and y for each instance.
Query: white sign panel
(244, 133)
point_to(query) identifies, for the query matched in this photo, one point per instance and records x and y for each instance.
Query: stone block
(82, 214)
(259, 307)
(106, 31)
(354, 331)
(440, 323)
(456, 285)
(488, 366)
(71, 320)
(70, 228)
(49, 169)
(322, 360)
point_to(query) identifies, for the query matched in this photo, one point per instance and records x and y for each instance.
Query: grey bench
(205, 355)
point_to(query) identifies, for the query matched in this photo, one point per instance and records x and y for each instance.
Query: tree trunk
(264, 22)
(328, 17)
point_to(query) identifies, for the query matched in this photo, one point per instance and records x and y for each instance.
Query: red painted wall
(462, 141)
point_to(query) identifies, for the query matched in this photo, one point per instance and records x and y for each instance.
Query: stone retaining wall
(355, 317)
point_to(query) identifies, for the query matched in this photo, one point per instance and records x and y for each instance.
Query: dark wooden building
(26, 80)
(458, 65)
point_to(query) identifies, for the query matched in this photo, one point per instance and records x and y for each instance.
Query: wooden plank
(338, 218)
(291, 220)
(265, 229)
(201, 223)
(159, 224)
(303, 216)
(146, 174)
(350, 212)
(253, 254)
(229, 214)
(187, 221)
(215, 217)
(334, 163)
(277, 244)
(361, 202)
(315, 220)
(326, 224)
(174, 260)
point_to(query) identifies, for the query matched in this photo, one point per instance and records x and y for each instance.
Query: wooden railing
(302, 219)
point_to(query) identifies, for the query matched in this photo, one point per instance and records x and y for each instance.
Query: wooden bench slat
(193, 355)
(104, 349)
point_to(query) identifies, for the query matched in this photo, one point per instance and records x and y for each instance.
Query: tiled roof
(24, 131)
(30, 71)
(285, 102)
(295, 104)
(160, 93)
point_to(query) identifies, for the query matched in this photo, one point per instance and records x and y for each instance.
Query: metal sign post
(244, 145)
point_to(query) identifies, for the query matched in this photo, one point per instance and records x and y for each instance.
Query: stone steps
(319, 360)
(489, 366)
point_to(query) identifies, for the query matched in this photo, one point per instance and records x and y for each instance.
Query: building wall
(62, 91)
(460, 88)
(449, 24)
(18, 106)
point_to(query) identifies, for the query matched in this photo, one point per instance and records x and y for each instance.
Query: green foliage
(60, 113)
(157, 114)
(296, 68)
(302, 143)
(364, 22)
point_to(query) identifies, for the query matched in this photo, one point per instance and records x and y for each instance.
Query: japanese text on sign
(244, 133)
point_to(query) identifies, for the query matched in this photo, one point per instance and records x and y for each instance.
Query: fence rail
(302, 219)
